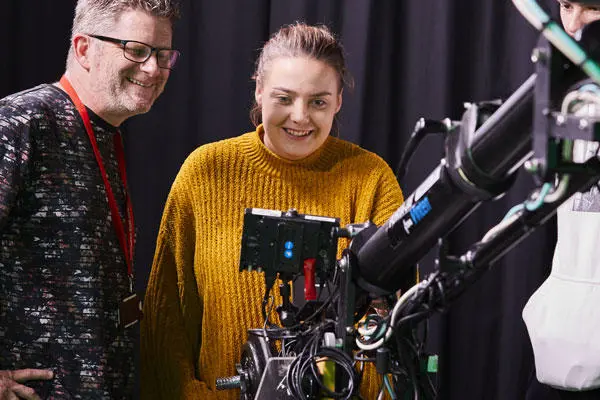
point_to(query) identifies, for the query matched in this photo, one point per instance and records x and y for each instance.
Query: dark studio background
(409, 58)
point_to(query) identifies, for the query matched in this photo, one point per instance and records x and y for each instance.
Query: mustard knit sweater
(198, 305)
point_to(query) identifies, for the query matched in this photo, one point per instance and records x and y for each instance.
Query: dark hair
(301, 40)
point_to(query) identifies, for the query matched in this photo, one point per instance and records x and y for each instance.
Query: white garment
(563, 315)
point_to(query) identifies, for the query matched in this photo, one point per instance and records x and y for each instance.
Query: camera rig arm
(481, 158)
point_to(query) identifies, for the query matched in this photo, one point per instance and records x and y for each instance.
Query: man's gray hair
(98, 16)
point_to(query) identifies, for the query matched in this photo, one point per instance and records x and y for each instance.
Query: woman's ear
(339, 99)
(258, 93)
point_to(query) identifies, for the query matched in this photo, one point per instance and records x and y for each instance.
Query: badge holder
(130, 309)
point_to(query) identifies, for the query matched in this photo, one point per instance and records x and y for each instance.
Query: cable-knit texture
(198, 305)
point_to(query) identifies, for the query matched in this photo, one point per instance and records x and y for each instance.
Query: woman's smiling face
(298, 97)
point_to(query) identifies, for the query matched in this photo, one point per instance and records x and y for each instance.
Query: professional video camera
(316, 350)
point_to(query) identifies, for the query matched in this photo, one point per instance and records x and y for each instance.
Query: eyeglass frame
(123, 43)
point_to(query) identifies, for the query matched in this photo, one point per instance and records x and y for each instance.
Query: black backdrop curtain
(410, 58)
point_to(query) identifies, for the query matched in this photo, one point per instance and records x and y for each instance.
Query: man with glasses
(68, 310)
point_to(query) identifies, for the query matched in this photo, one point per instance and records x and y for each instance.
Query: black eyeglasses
(140, 52)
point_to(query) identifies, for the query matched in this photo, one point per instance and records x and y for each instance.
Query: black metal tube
(439, 204)
(505, 138)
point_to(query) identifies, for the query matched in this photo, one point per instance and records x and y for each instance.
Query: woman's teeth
(297, 133)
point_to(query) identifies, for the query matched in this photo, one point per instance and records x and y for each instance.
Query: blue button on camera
(289, 245)
(288, 254)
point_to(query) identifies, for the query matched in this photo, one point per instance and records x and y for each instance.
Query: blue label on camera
(420, 210)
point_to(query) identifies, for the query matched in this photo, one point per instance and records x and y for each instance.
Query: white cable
(560, 190)
(498, 228)
(583, 96)
(367, 331)
(372, 346)
(405, 296)
(390, 331)
(518, 210)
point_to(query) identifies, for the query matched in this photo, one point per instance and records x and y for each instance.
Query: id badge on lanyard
(130, 308)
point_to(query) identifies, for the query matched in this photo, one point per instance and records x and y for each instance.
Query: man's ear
(81, 47)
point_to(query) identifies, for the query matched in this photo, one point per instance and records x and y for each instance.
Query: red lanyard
(126, 238)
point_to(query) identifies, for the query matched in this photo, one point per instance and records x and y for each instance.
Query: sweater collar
(323, 159)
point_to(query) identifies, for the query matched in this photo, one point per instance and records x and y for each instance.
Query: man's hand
(11, 387)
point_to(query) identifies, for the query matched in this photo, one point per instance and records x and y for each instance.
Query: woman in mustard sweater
(198, 305)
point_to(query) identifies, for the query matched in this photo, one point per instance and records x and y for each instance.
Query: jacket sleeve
(171, 328)
(15, 128)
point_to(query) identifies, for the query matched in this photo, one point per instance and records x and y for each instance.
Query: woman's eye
(319, 102)
(283, 99)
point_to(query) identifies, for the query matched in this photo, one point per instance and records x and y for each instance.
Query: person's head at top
(300, 75)
(121, 54)
(575, 15)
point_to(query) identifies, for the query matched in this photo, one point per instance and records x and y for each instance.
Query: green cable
(388, 386)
